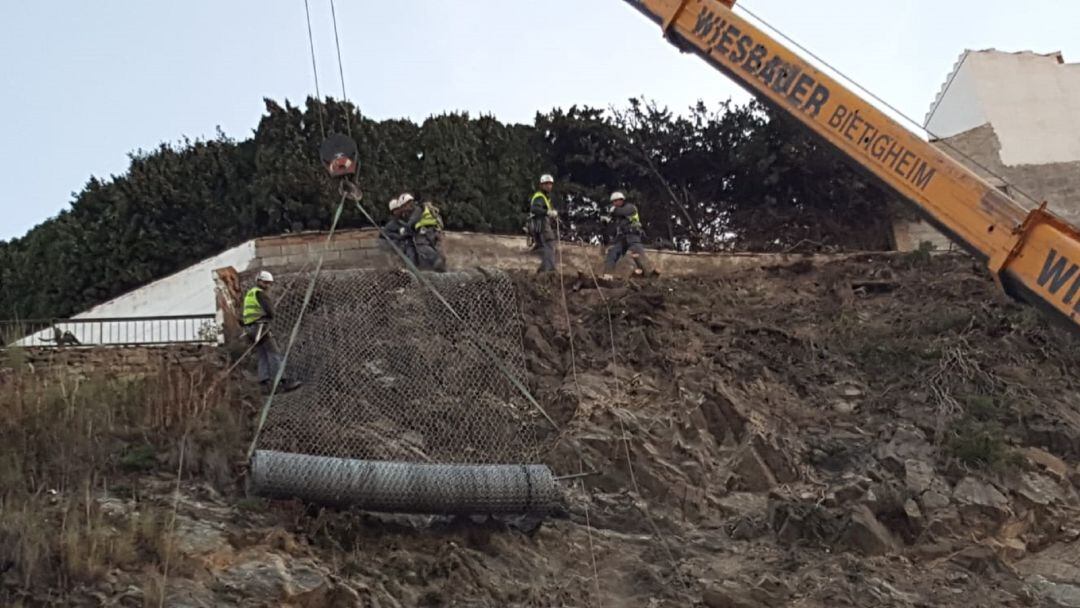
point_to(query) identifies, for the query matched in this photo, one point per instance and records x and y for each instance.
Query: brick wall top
(359, 249)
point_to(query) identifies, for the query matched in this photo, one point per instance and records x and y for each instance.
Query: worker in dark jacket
(396, 231)
(627, 234)
(425, 227)
(258, 312)
(542, 214)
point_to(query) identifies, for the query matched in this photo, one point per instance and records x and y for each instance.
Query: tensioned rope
(918, 125)
(315, 69)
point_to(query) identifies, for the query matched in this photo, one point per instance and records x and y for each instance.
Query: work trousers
(266, 351)
(404, 244)
(620, 248)
(428, 253)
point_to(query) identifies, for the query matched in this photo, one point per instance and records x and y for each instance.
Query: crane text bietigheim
(806, 94)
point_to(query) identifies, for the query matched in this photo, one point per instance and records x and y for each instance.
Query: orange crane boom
(1033, 255)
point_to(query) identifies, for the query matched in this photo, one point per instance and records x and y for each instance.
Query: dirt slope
(876, 432)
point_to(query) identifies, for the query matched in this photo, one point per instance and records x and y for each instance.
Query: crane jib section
(804, 92)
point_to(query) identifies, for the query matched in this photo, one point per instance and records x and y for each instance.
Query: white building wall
(188, 292)
(1032, 101)
(958, 107)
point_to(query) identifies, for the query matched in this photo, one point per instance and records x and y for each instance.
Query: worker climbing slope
(425, 227)
(542, 215)
(258, 312)
(627, 234)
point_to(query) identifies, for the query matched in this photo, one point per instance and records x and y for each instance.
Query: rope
(918, 125)
(577, 386)
(315, 69)
(341, 70)
(295, 330)
(626, 439)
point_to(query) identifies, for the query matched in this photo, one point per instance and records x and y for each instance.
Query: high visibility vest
(543, 195)
(429, 219)
(253, 311)
(635, 221)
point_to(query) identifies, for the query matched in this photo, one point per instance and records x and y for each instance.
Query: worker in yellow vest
(542, 214)
(425, 226)
(627, 234)
(258, 313)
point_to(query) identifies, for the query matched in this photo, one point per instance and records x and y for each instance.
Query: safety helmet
(265, 277)
(395, 204)
(405, 199)
(546, 179)
(617, 196)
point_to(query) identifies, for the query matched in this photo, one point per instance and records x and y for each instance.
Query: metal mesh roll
(405, 487)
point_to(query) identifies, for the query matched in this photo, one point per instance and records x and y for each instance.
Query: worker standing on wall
(396, 231)
(542, 215)
(258, 312)
(627, 234)
(425, 227)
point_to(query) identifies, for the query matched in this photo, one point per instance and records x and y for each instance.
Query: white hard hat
(404, 199)
(617, 196)
(547, 179)
(395, 204)
(265, 277)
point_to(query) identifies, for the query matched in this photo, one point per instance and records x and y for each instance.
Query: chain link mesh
(391, 376)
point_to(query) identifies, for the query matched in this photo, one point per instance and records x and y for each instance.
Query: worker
(425, 226)
(542, 214)
(627, 234)
(258, 312)
(396, 232)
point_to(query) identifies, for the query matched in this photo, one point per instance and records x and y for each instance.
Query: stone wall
(360, 249)
(1056, 183)
(117, 361)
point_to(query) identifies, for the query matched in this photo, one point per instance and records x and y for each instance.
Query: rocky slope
(885, 431)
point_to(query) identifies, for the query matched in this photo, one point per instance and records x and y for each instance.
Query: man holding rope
(258, 311)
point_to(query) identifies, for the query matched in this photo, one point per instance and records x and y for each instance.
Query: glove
(605, 218)
(401, 231)
(553, 214)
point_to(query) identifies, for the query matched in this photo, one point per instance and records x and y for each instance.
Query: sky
(83, 84)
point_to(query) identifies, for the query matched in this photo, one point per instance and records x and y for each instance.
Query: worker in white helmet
(627, 234)
(257, 315)
(396, 231)
(542, 215)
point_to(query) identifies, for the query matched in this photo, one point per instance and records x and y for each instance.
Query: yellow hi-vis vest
(253, 311)
(429, 219)
(543, 195)
(635, 221)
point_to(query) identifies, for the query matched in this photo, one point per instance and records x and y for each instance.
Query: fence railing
(114, 331)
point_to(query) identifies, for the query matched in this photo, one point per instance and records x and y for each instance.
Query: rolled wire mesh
(406, 487)
(393, 377)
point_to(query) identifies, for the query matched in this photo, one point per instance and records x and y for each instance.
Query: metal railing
(114, 331)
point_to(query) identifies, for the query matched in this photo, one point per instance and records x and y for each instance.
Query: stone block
(274, 261)
(296, 249)
(264, 251)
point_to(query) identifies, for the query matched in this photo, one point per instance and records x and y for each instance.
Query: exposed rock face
(756, 442)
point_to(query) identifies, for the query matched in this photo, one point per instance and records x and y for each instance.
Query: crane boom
(1034, 255)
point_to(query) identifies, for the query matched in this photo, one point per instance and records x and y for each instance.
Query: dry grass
(68, 439)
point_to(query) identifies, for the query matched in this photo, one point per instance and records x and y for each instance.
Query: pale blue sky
(84, 83)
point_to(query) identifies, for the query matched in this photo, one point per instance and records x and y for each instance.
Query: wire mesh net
(391, 375)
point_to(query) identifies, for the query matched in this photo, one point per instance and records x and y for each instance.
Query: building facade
(1014, 119)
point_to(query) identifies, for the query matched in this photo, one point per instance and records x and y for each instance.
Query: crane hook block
(338, 154)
